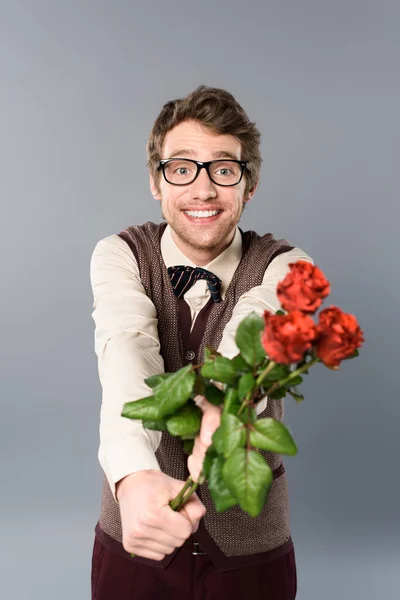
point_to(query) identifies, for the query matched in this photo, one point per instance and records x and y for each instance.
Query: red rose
(286, 338)
(303, 288)
(339, 335)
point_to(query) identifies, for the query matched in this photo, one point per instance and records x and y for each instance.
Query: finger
(201, 401)
(152, 545)
(210, 422)
(219, 385)
(163, 534)
(149, 551)
(139, 551)
(194, 467)
(167, 520)
(205, 405)
(196, 459)
(199, 453)
(193, 524)
(176, 523)
(194, 508)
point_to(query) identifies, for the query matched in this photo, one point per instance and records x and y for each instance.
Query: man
(161, 292)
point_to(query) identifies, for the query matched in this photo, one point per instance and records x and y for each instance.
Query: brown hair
(218, 111)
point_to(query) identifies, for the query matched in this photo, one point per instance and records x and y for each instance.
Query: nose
(202, 187)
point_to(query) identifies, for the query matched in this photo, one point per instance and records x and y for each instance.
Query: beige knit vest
(233, 531)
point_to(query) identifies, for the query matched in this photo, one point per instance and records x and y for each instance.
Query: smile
(202, 214)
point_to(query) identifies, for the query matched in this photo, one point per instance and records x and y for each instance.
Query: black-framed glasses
(182, 171)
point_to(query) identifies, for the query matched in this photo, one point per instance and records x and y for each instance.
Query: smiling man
(201, 203)
(161, 293)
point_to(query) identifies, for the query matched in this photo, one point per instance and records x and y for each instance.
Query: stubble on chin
(195, 243)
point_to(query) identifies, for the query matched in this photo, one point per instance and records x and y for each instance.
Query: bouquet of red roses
(275, 351)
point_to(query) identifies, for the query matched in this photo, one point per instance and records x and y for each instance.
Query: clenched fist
(150, 527)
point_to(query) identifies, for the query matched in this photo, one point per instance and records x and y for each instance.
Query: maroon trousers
(189, 577)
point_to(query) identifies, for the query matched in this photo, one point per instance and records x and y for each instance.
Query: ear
(154, 189)
(251, 192)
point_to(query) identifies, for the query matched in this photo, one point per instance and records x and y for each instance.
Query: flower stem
(190, 492)
(268, 368)
(292, 375)
(175, 503)
(190, 487)
(242, 406)
(259, 380)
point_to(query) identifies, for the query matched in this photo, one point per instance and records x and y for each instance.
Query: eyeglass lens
(223, 172)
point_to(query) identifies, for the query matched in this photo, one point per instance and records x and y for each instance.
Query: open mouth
(202, 215)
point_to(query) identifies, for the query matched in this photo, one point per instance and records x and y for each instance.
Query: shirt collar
(223, 266)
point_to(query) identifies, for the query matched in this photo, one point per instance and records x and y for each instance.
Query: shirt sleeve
(128, 350)
(258, 299)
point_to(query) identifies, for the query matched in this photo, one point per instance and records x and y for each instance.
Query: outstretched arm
(128, 351)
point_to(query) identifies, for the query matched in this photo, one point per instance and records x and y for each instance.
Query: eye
(180, 169)
(227, 171)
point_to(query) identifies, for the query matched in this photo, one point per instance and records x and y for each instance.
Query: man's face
(203, 238)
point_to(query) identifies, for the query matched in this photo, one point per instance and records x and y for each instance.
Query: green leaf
(233, 433)
(240, 365)
(210, 353)
(220, 493)
(278, 393)
(156, 425)
(270, 434)
(355, 353)
(218, 440)
(188, 446)
(220, 369)
(213, 394)
(312, 353)
(154, 380)
(246, 386)
(248, 415)
(144, 408)
(277, 373)
(248, 477)
(294, 381)
(186, 421)
(199, 385)
(298, 397)
(301, 363)
(211, 453)
(280, 312)
(174, 392)
(248, 339)
(231, 401)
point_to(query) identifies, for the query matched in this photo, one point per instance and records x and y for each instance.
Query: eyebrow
(218, 154)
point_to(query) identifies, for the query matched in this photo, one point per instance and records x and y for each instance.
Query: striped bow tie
(182, 279)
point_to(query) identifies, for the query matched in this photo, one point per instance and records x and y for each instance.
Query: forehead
(199, 142)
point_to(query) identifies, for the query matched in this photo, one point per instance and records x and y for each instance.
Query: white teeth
(202, 213)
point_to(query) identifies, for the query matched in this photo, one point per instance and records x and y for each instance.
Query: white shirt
(127, 344)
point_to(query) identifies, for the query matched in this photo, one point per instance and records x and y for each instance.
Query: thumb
(194, 510)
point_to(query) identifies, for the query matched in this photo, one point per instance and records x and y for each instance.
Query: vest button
(190, 354)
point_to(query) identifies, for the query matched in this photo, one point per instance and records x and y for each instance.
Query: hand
(150, 528)
(209, 423)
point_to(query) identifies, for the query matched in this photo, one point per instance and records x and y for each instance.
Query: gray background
(81, 84)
